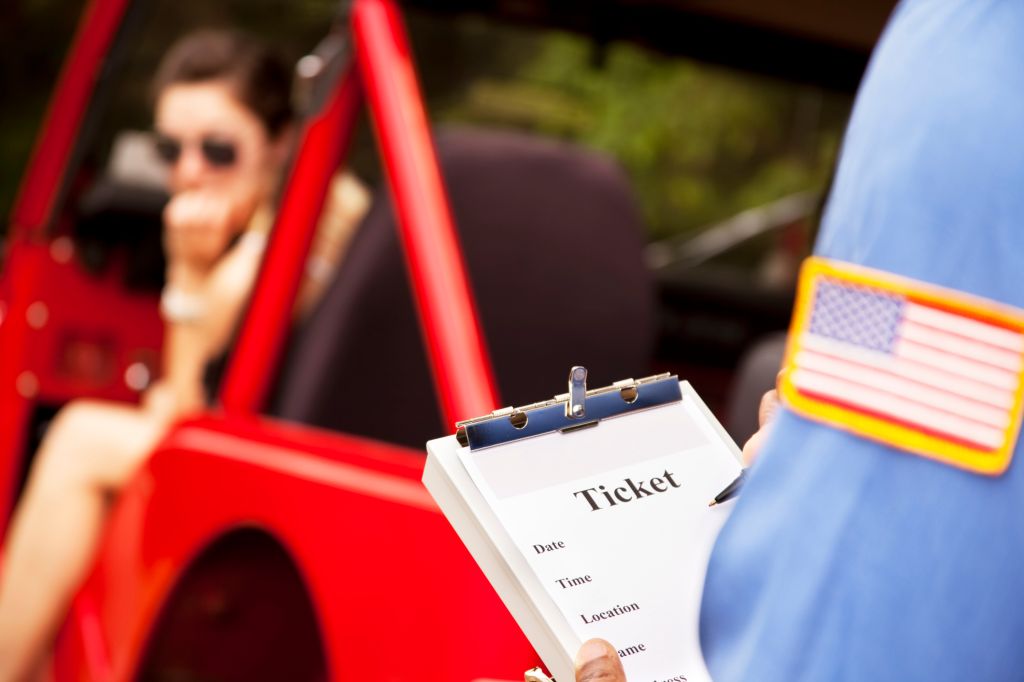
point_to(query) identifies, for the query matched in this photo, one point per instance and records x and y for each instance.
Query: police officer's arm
(597, 660)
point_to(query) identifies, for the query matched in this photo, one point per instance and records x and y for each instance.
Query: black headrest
(114, 216)
(552, 239)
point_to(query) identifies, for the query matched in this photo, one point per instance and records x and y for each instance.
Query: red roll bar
(324, 146)
(31, 214)
(64, 116)
(455, 344)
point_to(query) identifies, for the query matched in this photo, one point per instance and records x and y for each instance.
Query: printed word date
(552, 547)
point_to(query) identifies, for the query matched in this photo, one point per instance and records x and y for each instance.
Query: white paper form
(614, 522)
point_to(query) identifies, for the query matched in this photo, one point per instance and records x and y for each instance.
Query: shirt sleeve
(845, 559)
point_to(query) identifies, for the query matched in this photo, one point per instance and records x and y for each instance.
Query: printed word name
(630, 650)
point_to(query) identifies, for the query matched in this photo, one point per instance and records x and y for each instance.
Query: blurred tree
(35, 35)
(700, 143)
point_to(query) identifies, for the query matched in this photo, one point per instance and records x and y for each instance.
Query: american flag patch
(923, 369)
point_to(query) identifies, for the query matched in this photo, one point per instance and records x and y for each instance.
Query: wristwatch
(181, 306)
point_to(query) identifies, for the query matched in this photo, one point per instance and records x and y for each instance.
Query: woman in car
(224, 126)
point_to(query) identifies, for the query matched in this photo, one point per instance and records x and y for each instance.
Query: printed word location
(611, 613)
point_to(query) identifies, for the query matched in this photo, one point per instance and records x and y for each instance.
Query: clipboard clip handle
(576, 405)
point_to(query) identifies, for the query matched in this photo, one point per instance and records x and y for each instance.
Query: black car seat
(122, 212)
(552, 238)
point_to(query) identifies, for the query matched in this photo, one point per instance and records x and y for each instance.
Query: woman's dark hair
(260, 77)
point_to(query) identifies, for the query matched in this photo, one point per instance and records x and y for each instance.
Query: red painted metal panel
(28, 271)
(323, 147)
(20, 279)
(398, 597)
(455, 343)
(57, 321)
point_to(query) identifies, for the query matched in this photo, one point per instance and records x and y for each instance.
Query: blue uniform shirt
(849, 560)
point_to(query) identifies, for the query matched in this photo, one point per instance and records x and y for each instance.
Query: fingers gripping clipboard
(589, 515)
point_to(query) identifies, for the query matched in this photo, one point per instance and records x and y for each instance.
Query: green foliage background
(700, 143)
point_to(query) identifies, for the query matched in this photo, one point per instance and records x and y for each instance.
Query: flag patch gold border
(992, 459)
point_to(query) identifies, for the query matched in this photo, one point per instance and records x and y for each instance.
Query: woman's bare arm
(207, 286)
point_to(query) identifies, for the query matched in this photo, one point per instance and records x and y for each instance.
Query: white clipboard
(589, 515)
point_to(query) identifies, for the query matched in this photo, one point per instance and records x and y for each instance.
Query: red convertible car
(284, 534)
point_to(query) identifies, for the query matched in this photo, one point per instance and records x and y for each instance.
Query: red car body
(248, 548)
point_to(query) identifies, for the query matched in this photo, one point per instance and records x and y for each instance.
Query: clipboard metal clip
(576, 406)
(572, 411)
(536, 675)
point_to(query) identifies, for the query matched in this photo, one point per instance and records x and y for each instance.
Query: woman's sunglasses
(217, 153)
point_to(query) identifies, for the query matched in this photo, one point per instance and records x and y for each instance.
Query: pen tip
(712, 503)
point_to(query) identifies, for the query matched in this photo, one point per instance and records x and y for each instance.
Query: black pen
(731, 490)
